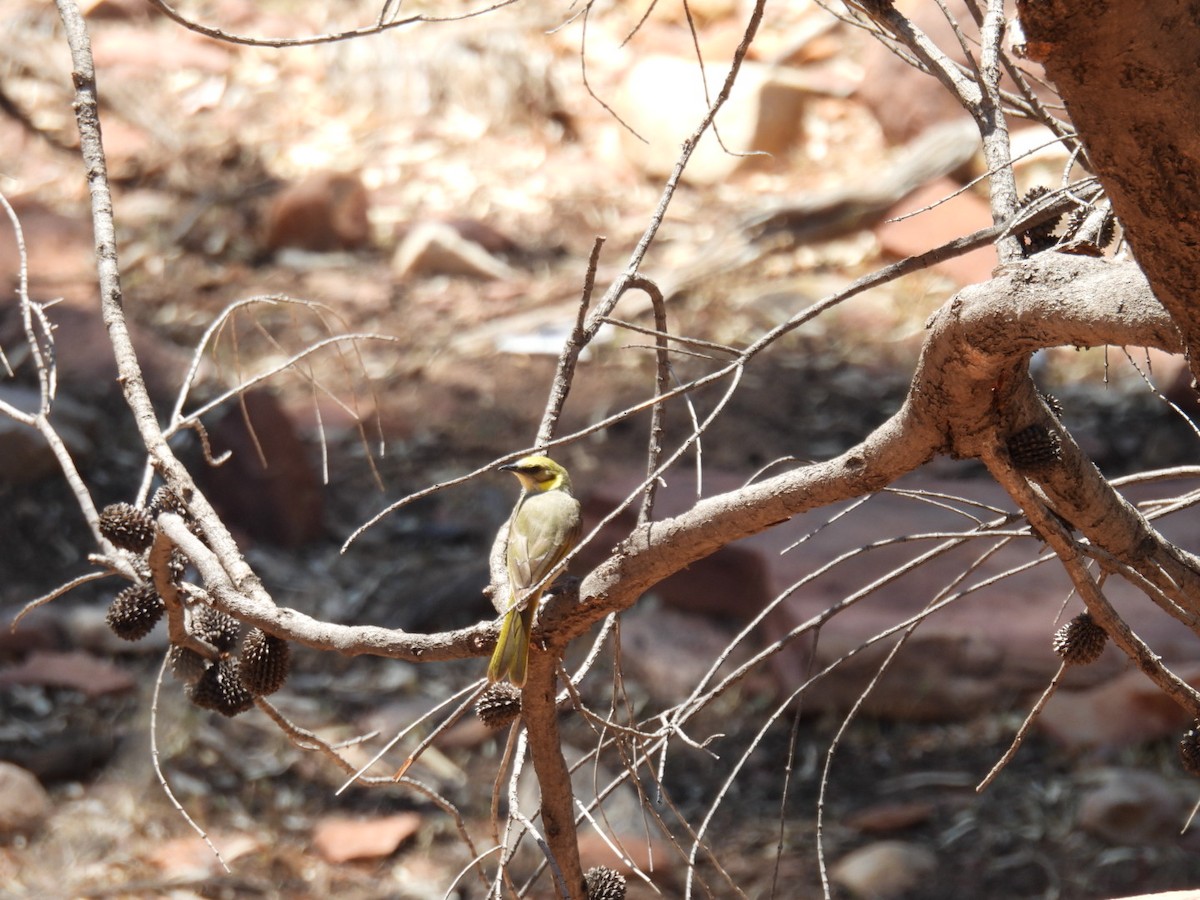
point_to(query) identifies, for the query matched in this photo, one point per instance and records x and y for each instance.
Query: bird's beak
(511, 467)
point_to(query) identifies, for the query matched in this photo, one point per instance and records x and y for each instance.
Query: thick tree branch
(973, 370)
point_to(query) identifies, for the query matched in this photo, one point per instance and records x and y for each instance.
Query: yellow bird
(544, 527)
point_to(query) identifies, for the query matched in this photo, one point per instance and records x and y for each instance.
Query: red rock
(117, 9)
(188, 858)
(325, 212)
(1127, 711)
(60, 251)
(957, 216)
(1132, 807)
(121, 46)
(988, 650)
(339, 840)
(667, 652)
(731, 583)
(276, 497)
(883, 817)
(650, 855)
(87, 370)
(77, 671)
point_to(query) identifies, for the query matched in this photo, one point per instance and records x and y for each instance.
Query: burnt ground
(446, 399)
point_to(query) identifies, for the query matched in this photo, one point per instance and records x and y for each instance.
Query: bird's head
(538, 474)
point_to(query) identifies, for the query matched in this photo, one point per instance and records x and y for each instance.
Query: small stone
(134, 612)
(24, 803)
(884, 870)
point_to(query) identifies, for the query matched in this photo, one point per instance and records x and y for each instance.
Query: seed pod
(499, 705)
(1054, 403)
(127, 527)
(134, 612)
(1039, 237)
(219, 689)
(1189, 750)
(264, 663)
(1080, 641)
(186, 664)
(218, 628)
(604, 883)
(1034, 447)
(166, 500)
(177, 565)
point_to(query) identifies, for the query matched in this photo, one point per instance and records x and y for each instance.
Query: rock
(40, 629)
(667, 652)
(116, 9)
(81, 672)
(339, 840)
(276, 497)
(884, 817)
(325, 212)
(24, 803)
(1132, 807)
(965, 657)
(884, 870)
(438, 248)
(190, 858)
(732, 583)
(27, 457)
(904, 100)
(662, 100)
(124, 49)
(958, 215)
(1129, 710)
(87, 371)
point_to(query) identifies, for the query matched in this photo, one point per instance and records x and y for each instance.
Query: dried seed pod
(177, 565)
(1053, 403)
(264, 663)
(604, 883)
(1038, 237)
(219, 689)
(1189, 750)
(1108, 230)
(499, 705)
(218, 628)
(134, 612)
(1080, 641)
(1034, 447)
(127, 527)
(166, 500)
(205, 691)
(186, 664)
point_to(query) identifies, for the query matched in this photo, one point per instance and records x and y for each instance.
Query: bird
(544, 527)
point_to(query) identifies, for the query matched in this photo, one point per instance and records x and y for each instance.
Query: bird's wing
(544, 529)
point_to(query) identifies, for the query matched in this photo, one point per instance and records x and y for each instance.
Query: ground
(489, 126)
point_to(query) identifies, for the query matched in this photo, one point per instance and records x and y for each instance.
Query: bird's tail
(511, 656)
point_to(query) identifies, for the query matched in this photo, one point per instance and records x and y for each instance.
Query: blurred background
(442, 185)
